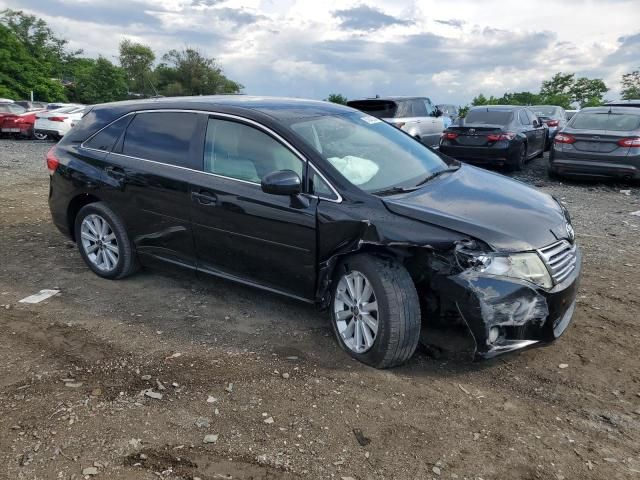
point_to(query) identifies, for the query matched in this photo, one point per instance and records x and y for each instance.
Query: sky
(447, 50)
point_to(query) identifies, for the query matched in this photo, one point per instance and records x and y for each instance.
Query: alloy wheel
(356, 312)
(99, 243)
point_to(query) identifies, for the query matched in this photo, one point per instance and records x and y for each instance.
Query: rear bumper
(615, 167)
(21, 130)
(480, 155)
(524, 314)
(57, 133)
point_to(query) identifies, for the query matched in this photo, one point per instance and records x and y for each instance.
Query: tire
(112, 243)
(39, 136)
(518, 160)
(552, 175)
(397, 315)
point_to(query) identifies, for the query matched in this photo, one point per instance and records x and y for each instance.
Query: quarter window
(105, 139)
(242, 152)
(164, 137)
(319, 187)
(524, 119)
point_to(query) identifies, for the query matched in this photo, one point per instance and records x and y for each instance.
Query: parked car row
(39, 120)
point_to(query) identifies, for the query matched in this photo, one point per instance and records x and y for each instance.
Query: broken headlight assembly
(524, 266)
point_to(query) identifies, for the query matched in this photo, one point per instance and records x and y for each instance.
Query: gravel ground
(261, 378)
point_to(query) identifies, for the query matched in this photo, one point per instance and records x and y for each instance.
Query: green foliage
(136, 60)
(564, 89)
(630, 85)
(462, 111)
(336, 98)
(22, 73)
(98, 81)
(189, 72)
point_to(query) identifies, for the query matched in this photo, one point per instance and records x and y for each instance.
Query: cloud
(367, 18)
(236, 16)
(452, 23)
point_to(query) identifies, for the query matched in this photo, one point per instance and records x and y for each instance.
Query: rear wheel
(375, 311)
(103, 242)
(39, 136)
(518, 159)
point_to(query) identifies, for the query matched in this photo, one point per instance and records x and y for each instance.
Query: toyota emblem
(571, 232)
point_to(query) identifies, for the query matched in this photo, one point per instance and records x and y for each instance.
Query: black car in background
(322, 203)
(599, 142)
(500, 135)
(554, 117)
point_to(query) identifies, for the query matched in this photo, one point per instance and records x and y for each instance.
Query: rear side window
(106, 139)
(491, 117)
(376, 108)
(163, 137)
(606, 121)
(524, 118)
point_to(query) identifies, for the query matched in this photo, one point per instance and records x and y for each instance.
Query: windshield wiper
(437, 174)
(392, 191)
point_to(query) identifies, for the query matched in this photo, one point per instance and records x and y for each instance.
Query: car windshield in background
(11, 108)
(377, 108)
(490, 117)
(544, 111)
(369, 152)
(606, 121)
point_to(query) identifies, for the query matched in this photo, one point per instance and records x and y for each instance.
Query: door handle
(115, 172)
(204, 198)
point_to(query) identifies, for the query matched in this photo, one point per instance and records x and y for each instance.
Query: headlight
(526, 266)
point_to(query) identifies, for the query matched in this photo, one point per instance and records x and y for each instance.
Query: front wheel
(375, 311)
(103, 242)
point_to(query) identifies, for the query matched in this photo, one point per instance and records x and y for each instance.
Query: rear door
(433, 126)
(539, 132)
(242, 232)
(150, 170)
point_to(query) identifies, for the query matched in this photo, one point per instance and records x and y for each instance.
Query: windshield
(489, 117)
(545, 111)
(606, 121)
(368, 152)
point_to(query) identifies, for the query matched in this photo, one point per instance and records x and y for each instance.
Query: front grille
(560, 258)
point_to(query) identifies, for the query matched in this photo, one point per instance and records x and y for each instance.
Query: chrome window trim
(224, 115)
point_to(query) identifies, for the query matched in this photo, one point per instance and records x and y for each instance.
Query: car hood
(506, 214)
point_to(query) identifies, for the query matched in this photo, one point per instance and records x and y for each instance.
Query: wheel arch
(74, 207)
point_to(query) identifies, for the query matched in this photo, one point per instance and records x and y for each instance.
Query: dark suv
(322, 203)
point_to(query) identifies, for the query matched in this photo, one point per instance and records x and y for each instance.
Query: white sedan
(56, 123)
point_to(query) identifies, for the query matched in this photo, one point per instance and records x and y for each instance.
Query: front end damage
(501, 314)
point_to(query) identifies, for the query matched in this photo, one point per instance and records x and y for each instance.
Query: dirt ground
(264, 375)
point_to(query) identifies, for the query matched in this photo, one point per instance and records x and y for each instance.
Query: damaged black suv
(322, 203)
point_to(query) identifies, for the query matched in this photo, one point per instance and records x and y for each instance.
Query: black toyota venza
(498, 135)
(322, 203)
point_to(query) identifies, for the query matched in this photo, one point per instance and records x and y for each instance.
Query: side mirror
(536, 123)
(281, 182)
(437, 113)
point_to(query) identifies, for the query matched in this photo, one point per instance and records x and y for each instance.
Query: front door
(242, 232)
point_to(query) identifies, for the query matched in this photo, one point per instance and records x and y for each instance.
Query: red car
(16, 121)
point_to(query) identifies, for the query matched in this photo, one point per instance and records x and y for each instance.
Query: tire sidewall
(98, 209)
(377, 352)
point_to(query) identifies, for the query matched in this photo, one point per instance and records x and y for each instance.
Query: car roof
(633, 102)
(612, 109)
(391, 98)
(547, 106)
(277, 107)
(505, 108)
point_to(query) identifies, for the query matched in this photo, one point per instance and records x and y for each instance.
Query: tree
(100, 82)
(136, 60)
(21, 73)
(631, 85)
(520, 98)
(189, 72)
(588, 92)
(482, 100)
(564, 88)
(337, 98)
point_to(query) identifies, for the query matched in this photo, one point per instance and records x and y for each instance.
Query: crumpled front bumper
(524, 314)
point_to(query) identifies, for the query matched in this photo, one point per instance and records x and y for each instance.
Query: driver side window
(236, 150)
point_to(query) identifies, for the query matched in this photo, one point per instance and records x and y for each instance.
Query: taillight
(494, 137)
(52, 161)
(56, 119)
(564, 138)
(629, 142)
(553, 123)
(449, 135)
